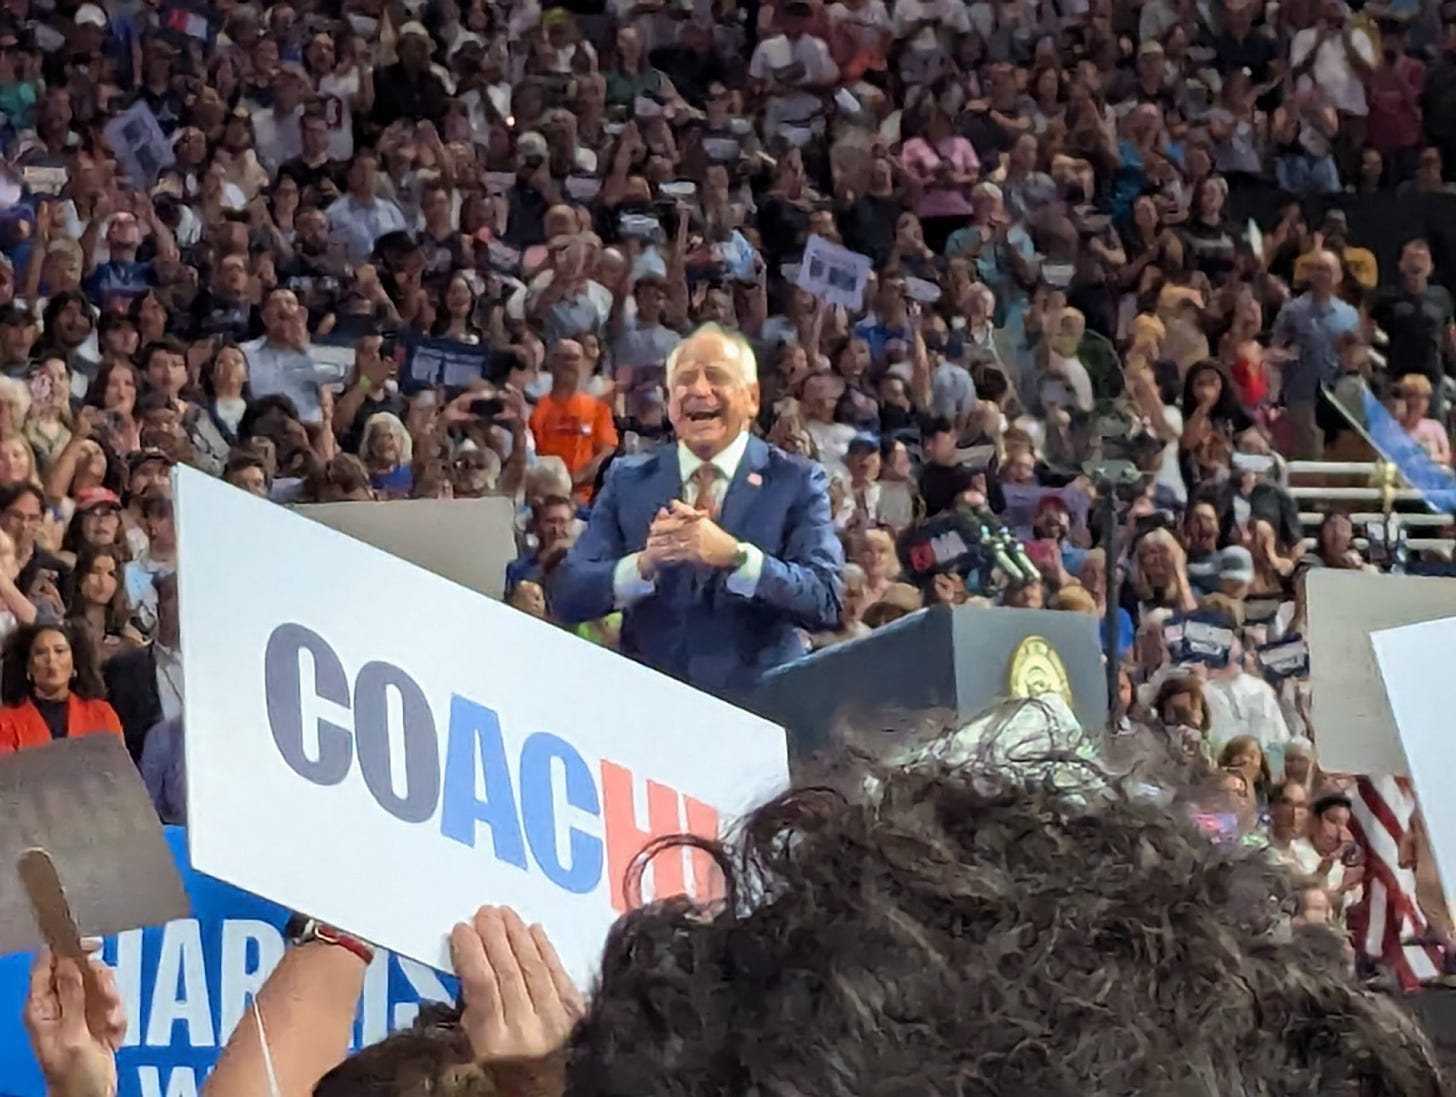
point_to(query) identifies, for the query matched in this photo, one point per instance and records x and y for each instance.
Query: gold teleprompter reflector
(1037, 670)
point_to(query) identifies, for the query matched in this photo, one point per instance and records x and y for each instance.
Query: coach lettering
(475, 746)
(538, 798)
(570, 819)
(371, 737)
(284, 686)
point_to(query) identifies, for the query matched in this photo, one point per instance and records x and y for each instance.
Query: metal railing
(1382, 488)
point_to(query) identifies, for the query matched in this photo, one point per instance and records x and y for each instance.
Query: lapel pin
(755, 480)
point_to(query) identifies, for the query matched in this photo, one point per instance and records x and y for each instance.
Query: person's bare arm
(920, 385)
(100, 211)
(308, 1006)
(513, 474)
(76, 1056)
(63, 468)
(363, 99)
(14, 600)
(166, 243)
(677, 272)
(371, 372)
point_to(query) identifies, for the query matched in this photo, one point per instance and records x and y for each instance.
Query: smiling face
(713, 392)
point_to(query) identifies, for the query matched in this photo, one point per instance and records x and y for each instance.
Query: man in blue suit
(719, 548)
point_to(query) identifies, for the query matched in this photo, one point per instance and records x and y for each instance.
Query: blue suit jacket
(692, 627)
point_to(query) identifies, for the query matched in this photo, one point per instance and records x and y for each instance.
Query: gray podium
(957, 659)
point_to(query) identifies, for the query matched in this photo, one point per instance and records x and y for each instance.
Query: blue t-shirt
(119, 279)
(394, 485)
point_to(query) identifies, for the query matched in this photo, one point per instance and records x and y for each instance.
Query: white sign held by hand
(378, 748)
(834, 273)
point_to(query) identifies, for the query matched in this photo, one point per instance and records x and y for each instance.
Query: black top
(40, 560)
(400, 93)
(1416, 324)
(54, 715)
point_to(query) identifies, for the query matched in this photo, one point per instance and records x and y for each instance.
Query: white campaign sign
(379, 748)
(834, 273)
(1414, 662)
(1351, 713)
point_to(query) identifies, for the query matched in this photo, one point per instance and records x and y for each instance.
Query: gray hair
(739, 349)
(548, 476)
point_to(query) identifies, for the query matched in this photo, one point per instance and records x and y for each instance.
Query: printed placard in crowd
(187, 20)
(833, 273)
(468, 541)
(1284, 659)
(1433, 481)
(1347, 694)
(438, 749)
(448, 363)
(1414, 664)
(140, 146)
(738, 256)
(45, 179)
(945, 543)
(187, 983)
(1203, 638)
(109, 852)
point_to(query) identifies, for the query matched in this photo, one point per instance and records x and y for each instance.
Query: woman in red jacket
(51, 688)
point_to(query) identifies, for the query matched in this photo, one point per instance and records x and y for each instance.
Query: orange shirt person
(571, 424)
(51, 688)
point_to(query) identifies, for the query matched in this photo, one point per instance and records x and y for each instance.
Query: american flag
(1388, 912)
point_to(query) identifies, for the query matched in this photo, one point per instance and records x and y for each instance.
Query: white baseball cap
(90, 15)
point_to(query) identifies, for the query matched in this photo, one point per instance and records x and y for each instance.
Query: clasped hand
(682, 535)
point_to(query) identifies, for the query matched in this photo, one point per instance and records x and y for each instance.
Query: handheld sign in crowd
(1349, 706)
(438, 749)
(141, 148)
(1284, 659)
(186, 985)
(109, 855)
(1200, 637)
(468, 541)
(1433, 481)
(443, 363)
(833, 273)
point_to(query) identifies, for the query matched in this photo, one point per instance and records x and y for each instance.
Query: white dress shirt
(283, 370)
(357, 226)
(629, 586)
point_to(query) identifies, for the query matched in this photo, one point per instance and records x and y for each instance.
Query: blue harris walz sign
(187, 984)
(1437, 488)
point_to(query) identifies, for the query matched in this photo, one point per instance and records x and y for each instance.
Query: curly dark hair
(432, 1058)
(15, 663)
(977, 932)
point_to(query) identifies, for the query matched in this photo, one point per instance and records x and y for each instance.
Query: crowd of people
(1113, 269)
